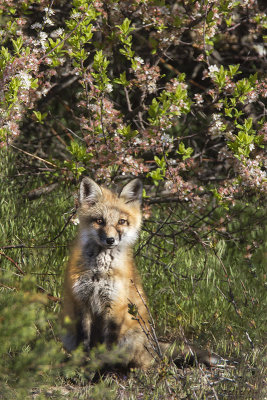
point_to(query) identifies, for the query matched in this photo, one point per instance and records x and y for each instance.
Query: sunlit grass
(212, 295)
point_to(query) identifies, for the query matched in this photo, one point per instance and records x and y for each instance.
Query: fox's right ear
(89, 191)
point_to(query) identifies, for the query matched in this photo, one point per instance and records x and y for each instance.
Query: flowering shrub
(171, 91)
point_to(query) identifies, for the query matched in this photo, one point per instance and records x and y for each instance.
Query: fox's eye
(100, 221)
(122, 221)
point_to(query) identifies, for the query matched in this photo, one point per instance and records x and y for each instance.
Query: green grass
(206, 291)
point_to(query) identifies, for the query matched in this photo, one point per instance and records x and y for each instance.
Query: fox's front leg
(86, 326)
(71, 320)
(77, 330)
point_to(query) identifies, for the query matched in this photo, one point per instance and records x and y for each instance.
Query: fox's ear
(133, 191)
(89, 191)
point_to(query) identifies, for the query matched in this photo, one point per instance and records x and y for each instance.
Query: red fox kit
(102, 280)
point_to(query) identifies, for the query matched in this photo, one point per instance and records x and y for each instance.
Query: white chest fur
(97, 287)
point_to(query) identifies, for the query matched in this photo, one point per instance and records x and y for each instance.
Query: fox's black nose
(110, 240)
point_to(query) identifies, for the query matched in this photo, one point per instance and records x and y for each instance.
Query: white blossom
(260, 49)
(165, 138)
(49, 11)
(212, 70)
(109, 88)
(252, 96)
(137, 141)
(57, 32)
(48, 21)
(25, 80)
(42, 38)
(216, 117)
(139, 60)
(198, 98)
(75, 221)
(36, 25)
(217, 126)
(151, 87)
(43, 35)
(75, 15)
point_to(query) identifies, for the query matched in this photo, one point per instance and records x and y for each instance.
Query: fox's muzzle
(109, 238)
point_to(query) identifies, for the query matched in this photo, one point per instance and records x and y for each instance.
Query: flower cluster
(146, 77)
(144, 88)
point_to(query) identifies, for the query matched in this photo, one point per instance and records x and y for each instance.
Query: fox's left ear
(133, 191)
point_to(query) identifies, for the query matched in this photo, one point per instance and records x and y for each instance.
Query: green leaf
(79, 152)
(39, 116)
(125, 27)
(183, 151)
(122, 79)
(210, 17)
(233, 70)
(17, 44)
(127, 132)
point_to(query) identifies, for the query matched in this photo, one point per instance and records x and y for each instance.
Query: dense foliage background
(173, 92)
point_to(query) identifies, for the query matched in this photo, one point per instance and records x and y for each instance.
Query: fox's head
(109, 219)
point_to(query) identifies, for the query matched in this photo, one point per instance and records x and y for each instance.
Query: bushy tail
(189, 354)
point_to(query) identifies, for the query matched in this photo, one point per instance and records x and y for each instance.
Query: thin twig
(152, 323)
(145, 330)
(7, 287)
(154, 233)
(49, 295)
(209, 383)
(128, 100)
(64, 227)
(13, 262)
(34, 156)
(25, 246)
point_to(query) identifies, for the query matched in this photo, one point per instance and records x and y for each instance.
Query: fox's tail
(189, 354)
